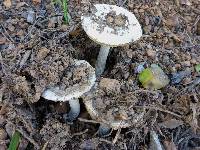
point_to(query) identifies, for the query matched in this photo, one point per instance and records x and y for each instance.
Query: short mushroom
(112, 111)
(110, 26)
(83, 78)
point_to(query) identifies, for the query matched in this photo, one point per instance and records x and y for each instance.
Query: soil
(36, 48)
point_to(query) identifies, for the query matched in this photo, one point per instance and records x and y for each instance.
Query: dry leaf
(7, 3)
(36, 1)
(171, 124)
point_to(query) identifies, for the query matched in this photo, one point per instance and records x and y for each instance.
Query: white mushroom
(110, 26)
(72, 93)
(105, 123)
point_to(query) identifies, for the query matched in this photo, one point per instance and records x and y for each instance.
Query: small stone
(31, 16)
(9, 129)
(110, 85)
(177, 66)
(42, 53)
(193, 61)
(141, 10)
(151, 53)
(64, 27)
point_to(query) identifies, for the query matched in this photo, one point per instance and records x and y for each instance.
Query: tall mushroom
(110, 26)
(82, 77)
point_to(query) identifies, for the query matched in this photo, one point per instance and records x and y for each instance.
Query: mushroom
(112, 115)
(74, 90)
(110, 26)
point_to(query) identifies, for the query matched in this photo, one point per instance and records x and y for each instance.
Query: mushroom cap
(114, 124)
(111, 25)
(75, 91)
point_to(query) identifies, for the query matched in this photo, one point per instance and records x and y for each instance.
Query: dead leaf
(7, 3)
(171, 124)
(36, 1)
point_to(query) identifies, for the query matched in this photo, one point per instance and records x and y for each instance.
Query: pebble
(151, 53)
(42, 53)
(110, 85)
(31, 16)
(193, 61)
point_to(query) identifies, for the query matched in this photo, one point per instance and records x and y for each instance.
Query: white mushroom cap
(116, 124)
(75, 91)
(96, 27)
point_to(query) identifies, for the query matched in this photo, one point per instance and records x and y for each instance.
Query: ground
(36, 47)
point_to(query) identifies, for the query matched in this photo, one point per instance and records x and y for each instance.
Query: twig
(160, 109)
(80, 133)
(7, 34)
(2, 64)
(197, 20)
(25, 135)
(116, 136)
(104, 140)
(88, 121)
(24, 58)
(30, 29)
(6, 37)
(45, 145)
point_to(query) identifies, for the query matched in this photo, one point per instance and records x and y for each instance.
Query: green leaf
(197, 68)
(145, 76)
(65, 11)
(14, 141)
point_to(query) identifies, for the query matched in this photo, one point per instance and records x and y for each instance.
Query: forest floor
(36, 47)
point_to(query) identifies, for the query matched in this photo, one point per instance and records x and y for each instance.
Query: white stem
(101, 59)
(74, 110)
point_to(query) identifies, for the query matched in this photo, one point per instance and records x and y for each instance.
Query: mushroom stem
(104, 130)
(74, 110)
(101, 60)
